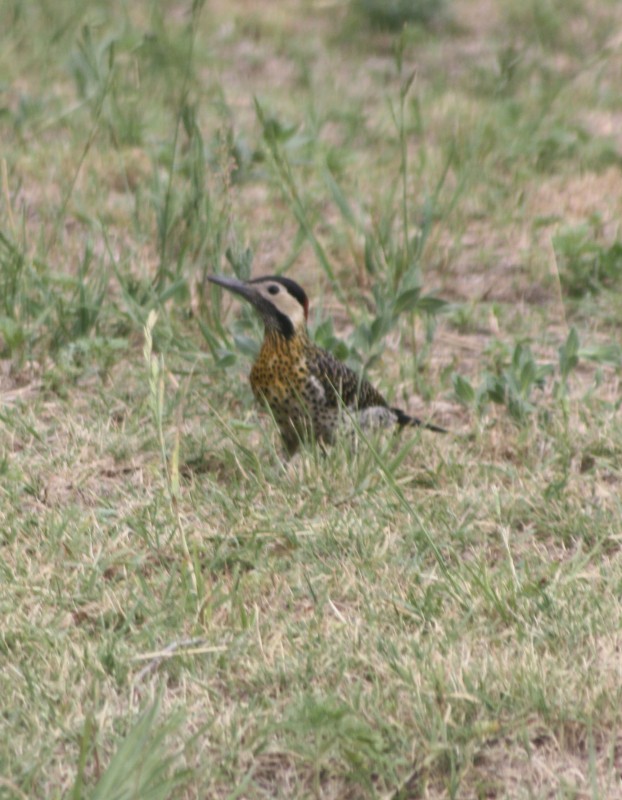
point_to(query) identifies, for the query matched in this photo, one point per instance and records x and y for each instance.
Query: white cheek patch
(287, 305)
(297, 315)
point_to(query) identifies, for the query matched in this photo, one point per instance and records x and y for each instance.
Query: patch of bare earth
(576, 199)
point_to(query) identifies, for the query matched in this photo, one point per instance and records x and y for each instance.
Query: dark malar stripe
(285, 325)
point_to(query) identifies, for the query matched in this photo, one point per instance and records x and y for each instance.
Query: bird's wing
(338, 381)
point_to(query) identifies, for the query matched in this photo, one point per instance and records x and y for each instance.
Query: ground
(184, 613)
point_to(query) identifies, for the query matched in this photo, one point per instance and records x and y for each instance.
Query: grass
(185, 615)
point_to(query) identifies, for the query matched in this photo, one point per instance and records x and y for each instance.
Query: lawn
(186, 614)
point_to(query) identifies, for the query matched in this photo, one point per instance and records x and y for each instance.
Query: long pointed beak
(237, 287)
(247, 291)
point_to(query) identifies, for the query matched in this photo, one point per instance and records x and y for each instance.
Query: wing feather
(339, 381)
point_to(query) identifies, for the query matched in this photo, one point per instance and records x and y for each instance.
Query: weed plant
(394, 14)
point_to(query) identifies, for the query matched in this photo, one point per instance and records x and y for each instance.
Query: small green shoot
(586, 266)
(141, 767)
(513, 382)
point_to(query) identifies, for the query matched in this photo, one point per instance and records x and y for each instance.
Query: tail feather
(404, 420)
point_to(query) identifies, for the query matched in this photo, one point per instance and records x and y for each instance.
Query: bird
(306, 388)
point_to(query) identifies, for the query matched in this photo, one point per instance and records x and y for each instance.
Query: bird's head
(281, 302)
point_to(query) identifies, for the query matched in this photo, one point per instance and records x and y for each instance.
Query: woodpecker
(306, 387)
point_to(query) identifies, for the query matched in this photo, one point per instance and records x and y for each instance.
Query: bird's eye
(273, 289)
